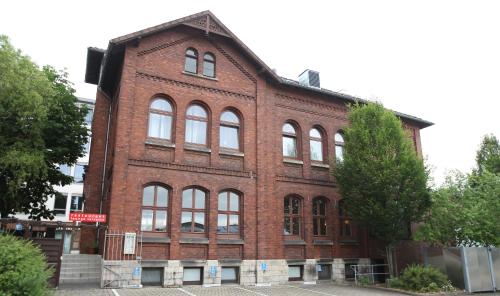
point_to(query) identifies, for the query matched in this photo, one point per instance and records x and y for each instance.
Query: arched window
(289, 141)
(229, 131)
(191, 63)
(154, 208)
(339, 146)
(316, 144)
(228, 218)
(160, 119)
(292, 211)
(209, 65)
(193, 210)
(196, 125)
(319, 216)
(345, 221)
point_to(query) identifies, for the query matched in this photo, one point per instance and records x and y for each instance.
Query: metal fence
(369, 273)
(120, 247)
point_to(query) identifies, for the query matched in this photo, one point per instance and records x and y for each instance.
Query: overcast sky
(437, 60)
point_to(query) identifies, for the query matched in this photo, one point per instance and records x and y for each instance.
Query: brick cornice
(194, 86)
(190, 168)
(163, 45)
(337, 112)
(282, 178)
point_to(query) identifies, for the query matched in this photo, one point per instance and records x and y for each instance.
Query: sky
(438, 60)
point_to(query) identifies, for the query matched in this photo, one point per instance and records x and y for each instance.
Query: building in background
(72, 199)
(212, 168)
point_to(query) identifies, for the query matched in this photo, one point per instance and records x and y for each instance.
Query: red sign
(85, 217)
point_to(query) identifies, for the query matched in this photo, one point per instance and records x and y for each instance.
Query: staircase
(80, 269)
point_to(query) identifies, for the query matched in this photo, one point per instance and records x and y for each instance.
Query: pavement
(320, 289)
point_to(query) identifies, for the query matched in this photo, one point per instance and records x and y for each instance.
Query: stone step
(82, 268)
(94, 259)
(90, 270)
(79, 275)
(79, 280)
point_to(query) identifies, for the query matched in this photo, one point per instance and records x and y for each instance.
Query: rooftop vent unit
(309, 78)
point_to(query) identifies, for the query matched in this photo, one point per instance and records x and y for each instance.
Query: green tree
(464, 212)
(488, 155)
(381, 178)
(23, 269)
(40, 127)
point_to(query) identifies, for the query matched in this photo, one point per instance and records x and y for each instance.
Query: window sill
(197, 149)
(194, 240)
(297, 242)
(154, 240)
(230, 242)
(320, 165)
(323, 242)
(159, 143)
(293, 161)
(199, 76)
(232, 153)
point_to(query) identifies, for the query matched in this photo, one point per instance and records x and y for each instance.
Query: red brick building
(217, 161)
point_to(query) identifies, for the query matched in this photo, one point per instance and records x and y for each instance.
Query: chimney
(309, 78)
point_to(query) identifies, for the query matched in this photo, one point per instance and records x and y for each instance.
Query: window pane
(294, 271)
(148, 196)
(287, 228)
(295, 226)
(208, 57)
(160, 126)
(161, 104)
(289, 147)
(315, 207)
(222, 204)
(229, 273)
(322, 207)
(287, 206)
(60, 204)
(89, 116)
(199, 202)
(314, 133)
(316, 150)
(288, 128)
(229, 116)
(229, 137)
(161, 197)
(222, 223)
(187, 198)
(295, 206)
(191, 52)
(234, 223)
(315, 226)
(197, 110)
(76, 203)
(186, 218)
(190, 65)
(339, 152)
(147, 220)
(322, 226)
(79, 170)
(199, 222)
(196, 132)
(191, 274)
(234, 204)
(65, 169)
(161, 221)
(209, 69)
(339, 138)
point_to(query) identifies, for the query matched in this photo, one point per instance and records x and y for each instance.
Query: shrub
(23, 269)
(421, 279)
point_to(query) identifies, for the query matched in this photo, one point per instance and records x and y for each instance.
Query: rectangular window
(222, 223)
(234, 223)
(192, 276)
(316, 151)
(196, 132)
(160, 126)
(186, 220)
(229, 137)
(79, 172)
(190, 65)
(289, 147)
(208, 69)
(76, 203)
(295, 272)
(147, 220)
(152, 276)
(229, 275)
(161, 221)
(339, 152)
(60, 205)
(199, 222)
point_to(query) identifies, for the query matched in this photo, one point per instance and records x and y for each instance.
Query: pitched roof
(99, 61)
